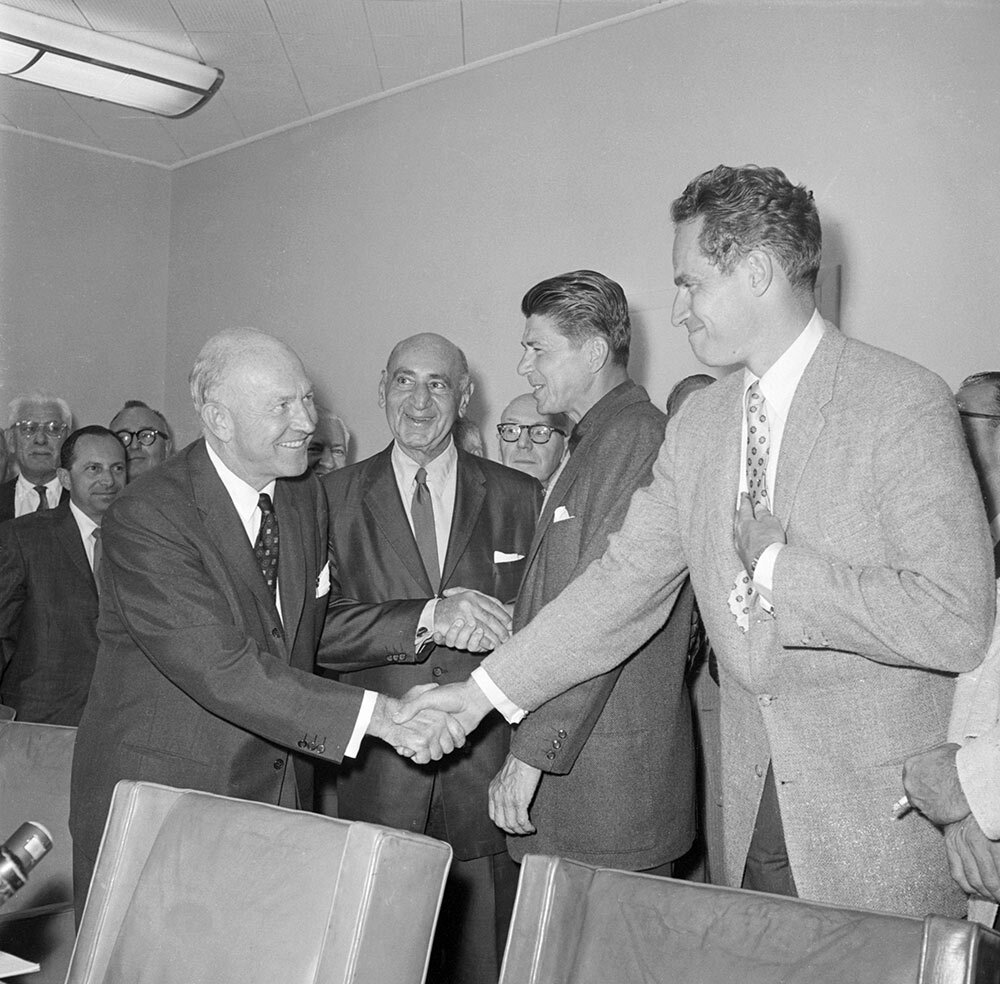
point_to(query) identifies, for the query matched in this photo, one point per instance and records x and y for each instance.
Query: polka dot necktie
(758, 452)
(265, 547)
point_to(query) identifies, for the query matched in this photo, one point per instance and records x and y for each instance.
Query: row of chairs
(191, 887)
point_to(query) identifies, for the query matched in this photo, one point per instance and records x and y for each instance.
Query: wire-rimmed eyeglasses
(145, 437)
(29, 428)
(539, 433)
(975, 413)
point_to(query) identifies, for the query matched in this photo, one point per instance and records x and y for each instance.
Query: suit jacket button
(561, 733)
(758, 771)
(279, 764)
(556, 743)
(302, 743)
(275, 633)
(550, 755)
(320, 748)
(437, 671)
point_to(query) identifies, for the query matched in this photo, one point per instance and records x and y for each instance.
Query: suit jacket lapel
(806, 419)
(382, 501)
(470, 493)
(558, 495)
(72, 542)
(224, 526)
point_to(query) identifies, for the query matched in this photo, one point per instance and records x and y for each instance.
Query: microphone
(19, 854)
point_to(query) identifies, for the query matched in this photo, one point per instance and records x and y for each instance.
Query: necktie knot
(422, 478)
(43, 498)
(264, 504)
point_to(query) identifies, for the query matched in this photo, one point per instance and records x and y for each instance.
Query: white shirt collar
(439, 470)
(244, 496)
(28, 488)
(779, 383)
(83, 521)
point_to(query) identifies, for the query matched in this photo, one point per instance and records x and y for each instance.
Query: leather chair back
(190, 886)
(574, 924)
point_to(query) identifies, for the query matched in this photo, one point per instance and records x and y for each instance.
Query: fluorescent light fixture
(75, 59)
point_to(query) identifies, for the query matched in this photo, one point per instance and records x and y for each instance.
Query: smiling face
(537, 460)
(328, 447)
(263, 415)
(711, 305)
(423, 392)
(142, 458)
(559, 370)
(96, 476)
(37, 454)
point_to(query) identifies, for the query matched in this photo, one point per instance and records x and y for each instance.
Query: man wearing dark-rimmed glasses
(37, 426)
(604, 773)
(145, 434)
(531, 441)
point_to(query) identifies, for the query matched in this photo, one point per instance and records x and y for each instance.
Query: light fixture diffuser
(75, 59)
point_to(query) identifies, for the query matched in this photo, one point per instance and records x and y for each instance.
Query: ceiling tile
(41, 110)
(213, 126)
(495, 26)
(414, 18)
(427, 55)
(64, 10)
(127, 131)
(332, 70)
(248, 49)
(230, 16)
(174, 42)
(262, 100)
(574, 14)
(115, 17)
(345, 18)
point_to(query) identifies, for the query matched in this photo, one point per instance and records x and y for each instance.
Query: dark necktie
(98, 554)
(424, 531)
(43, 498)
(265, 547)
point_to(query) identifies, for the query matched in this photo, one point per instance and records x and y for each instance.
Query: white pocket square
(561, 515)
(499, 557)
(323, 581)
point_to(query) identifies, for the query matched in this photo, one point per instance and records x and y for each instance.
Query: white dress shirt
(86, 526)
(26, 498)
(246, 501)
(778, 386)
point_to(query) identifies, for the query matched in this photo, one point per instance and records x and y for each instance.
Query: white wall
(84, 247)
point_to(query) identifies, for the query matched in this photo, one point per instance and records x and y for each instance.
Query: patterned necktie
(265, 547)
(758, 453)
(424, 531)
(98, 554)
(43, 498)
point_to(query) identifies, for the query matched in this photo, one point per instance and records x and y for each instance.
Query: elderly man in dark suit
(48, 598)
(427, 544)
(609, 763)
(214, 586)
(37, 425)
(862, 535)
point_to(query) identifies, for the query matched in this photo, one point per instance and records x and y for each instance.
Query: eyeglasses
(145, 437)
(984, 416)
(29, 428)
(539, 433)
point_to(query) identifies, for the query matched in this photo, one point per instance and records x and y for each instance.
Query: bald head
(424, 389)
(537, 460)
(256, 404)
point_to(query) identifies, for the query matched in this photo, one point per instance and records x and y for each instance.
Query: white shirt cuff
(497, 697)
(763, 575)
(425, 626)
(361, 725)
(976, 763)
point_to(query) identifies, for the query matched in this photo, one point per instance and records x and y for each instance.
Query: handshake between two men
(428, 721)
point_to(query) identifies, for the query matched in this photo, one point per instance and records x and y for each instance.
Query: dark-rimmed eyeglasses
(539, 433)
(145, 437)
(975, 413)
(29, 428)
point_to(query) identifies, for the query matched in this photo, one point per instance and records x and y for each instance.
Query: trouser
(767, 868)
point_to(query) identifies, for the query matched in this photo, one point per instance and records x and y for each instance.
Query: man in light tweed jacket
(865, 538)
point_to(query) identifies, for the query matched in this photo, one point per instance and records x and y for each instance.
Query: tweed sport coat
(199, 683)
(883, 591)
(617, 751)
(378, 588)
(48, 617)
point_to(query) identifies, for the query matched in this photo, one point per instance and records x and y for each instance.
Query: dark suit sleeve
(626, 452)
(174, 594)
(13, 591)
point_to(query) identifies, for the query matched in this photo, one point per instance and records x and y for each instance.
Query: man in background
(958, 784)
(37, 425)
(145, 434)
(330, 444)
(831, 478)
(48, 597)
(531, 441)
(603, 773)
(427, 546)
(213, 588)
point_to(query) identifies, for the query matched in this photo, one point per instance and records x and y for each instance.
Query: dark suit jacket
(48, 617)
(378, 588)
(7, 499)
(617, 750)
(198, 682)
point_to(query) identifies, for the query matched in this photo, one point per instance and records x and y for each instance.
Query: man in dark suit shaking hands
(214, 587)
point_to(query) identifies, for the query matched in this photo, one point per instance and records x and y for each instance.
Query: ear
(63, 475)
(381, 389)
(597, 351)
(463, 400)
(760, 269)
(218, 420)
